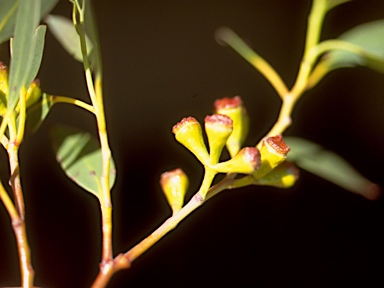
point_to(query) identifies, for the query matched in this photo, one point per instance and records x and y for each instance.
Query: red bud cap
(277, 144)
(273, 152)
(228, 103)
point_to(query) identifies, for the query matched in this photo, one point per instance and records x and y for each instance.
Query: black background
(161, 63)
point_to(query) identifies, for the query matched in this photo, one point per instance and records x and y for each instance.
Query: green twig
(227, 36)
(96, 96)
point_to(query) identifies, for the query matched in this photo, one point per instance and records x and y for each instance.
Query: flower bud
(174, 184)
(33, 93)
(273, 152)
(282, 176)
(234, 109)
(245, 162)
(3, 88)
(218, 128)
(188, 132)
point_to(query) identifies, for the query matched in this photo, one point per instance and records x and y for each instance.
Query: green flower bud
(174, 184)
(188, 132)
(218, 128)
(245, 162)
(3, 88)
(282, 176)
(273, 152)
(32, 95)
(234, 109)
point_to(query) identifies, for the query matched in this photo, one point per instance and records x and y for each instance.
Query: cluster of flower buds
(229, 127)
(32, 94)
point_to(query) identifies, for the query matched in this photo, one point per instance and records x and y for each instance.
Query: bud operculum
(188, 132)
(234, 109)
(218, 129)
(174, 185)
(273, 152)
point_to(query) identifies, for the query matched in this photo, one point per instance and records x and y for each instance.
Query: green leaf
(8, 16)
(27, 49)
(7, 19)
(92, 32)
(37, 54)
(330, 166)
(64, 31)
(79, 155)
(369, 38)
(37, 113)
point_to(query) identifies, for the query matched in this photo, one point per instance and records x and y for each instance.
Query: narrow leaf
(8, 16)
(92, 32)
(370, 38)
(64, 31)
(24, 48)
(79, 155)
(330, 166)
(37, 54)
(7, 19)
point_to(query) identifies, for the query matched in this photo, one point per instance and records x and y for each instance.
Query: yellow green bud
(33, 93)
(273, 152)
(234, 109)
(218, 128)
(245, 162)
(3, 88)
(188, 132)
(282, 176)
(174, 184)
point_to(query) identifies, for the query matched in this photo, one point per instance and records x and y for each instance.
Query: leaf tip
(372, 192)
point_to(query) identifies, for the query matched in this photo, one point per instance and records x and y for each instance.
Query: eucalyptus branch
(19, 229)
(95, 92)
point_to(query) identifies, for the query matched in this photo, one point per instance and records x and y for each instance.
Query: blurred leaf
(64, 31)
(79, 155)
(8, 16)
(333, 3)
(27, 49)
(368, 36)
(91, 31)
(7, 19)
(330, 166)
(37, 113)
(37, 55)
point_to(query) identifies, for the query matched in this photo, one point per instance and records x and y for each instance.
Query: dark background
(161, 63)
